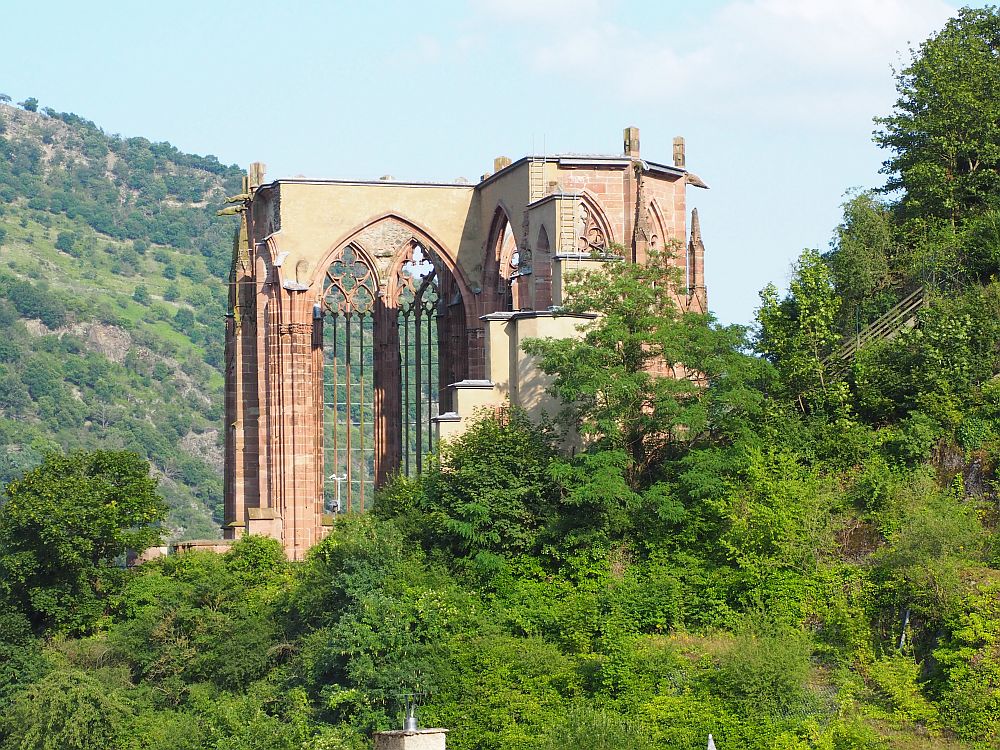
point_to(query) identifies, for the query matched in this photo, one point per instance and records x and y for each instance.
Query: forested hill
(112, 295)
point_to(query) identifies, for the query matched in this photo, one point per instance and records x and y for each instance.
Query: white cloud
(816, 61)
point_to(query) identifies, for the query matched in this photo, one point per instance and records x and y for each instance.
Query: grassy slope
(159, 383)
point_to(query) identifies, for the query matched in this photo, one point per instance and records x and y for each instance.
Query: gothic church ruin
(370, 320)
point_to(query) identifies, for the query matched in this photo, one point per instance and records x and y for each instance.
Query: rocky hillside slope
(113, 270)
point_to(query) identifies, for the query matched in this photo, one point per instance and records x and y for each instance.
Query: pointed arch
(655, 226)
(541, 258)
(593, 230)
(422, 235)
(500, 259)
(392, 308)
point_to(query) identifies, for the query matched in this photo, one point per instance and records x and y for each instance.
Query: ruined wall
(560, 209)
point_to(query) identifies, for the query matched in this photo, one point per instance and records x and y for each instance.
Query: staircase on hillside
(901, 317)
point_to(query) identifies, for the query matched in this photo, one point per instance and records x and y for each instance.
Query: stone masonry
(498, 250)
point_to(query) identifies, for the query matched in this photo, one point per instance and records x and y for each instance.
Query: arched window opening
(350, 293)
(421, 308)
(654, 227)
(510, 259)
(542, 270)
(593, 235)
(503, 258)
(390, 349)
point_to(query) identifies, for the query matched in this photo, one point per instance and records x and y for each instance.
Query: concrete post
(411, 739)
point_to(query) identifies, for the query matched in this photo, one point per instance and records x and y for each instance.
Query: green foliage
(66, 710)
(798, 333)
(943, 135)
(864, 262)
(970, 664)
(611, 380)
(490, 494)
(21, 659)
(587, 728)
(62, 529)
(765, 673)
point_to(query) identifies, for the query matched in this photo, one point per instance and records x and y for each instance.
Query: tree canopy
(66, 526)
(944, 135)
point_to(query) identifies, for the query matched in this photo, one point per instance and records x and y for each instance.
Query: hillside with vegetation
(794, 549)
(113, 270)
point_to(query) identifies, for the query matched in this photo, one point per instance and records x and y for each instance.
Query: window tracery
(591, 235)
(351, 286)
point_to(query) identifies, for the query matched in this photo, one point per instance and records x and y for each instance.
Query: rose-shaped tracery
(351, 286)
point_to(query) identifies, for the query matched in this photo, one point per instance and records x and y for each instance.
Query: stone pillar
(631, 198)
(631, 138)
(229, 474)
(291, 461)
(679, 155)
(302, 507)
(411, 739)
(388, 402)
(476, 353)
(241, 485)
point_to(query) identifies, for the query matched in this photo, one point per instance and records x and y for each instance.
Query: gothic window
(592, 235)
(419, 302)
(349, 294)
(654, 227)
(503, 259)
(388, 350)
(542, 270)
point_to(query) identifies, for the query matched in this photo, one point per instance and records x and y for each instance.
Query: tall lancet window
(420, 306)
(349, 297)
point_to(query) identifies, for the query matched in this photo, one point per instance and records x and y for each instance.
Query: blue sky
(774, 97)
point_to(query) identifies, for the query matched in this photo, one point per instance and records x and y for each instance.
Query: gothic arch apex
(419, 233)
(593, 221)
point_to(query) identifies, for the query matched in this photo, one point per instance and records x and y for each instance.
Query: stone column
(302, 466)
(241, 486)
(293, 464)
(388, 406)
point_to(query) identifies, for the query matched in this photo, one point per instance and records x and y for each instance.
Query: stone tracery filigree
(417, 281)
(350, 286)
(591, 235)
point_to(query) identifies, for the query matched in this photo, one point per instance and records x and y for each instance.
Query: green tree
(863, 261)
(635, 381)
(30, 104)
(944, 135)
(797, 333)
(141, 295)
(183, 319)
(66, 241)
(21, 660)
(490, 493)
(64, 528)
(66, 710)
